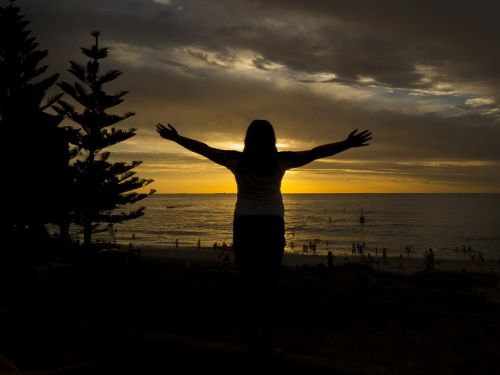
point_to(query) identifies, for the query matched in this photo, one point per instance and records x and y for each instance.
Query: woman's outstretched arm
(354, 139)
(193, 145)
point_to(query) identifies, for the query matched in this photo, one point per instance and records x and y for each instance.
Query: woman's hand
(355, 139)
(168, 133)
(214, 154)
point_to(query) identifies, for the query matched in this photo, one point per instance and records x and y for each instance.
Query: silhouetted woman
(258, 226)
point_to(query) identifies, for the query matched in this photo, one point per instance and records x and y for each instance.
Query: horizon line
(337, 193)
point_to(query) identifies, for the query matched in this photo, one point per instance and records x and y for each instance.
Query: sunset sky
(424, 76)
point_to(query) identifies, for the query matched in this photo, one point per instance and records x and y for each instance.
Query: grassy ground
(163, 316)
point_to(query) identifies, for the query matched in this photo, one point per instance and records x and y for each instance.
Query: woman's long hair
(260, 154)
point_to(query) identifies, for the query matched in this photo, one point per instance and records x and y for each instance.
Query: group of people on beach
(358, 248)
(429, 259)
(361, 250)
(473, 255)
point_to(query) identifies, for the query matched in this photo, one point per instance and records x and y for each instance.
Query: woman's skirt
(259, 242)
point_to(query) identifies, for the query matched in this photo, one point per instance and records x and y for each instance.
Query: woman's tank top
(259, 194)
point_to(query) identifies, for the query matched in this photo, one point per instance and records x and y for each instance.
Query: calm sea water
(443, 222)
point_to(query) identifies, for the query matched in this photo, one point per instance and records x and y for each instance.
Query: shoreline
(392, 264)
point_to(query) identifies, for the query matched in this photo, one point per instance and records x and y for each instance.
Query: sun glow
(209, 179)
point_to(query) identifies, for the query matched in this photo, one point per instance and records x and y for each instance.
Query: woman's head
(260, 139)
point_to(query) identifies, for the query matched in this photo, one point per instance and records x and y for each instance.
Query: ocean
(444, 222)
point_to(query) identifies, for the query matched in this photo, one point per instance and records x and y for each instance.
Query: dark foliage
(35, 151)
(101, 185)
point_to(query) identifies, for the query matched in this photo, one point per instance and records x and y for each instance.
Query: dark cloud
(383, 39)
(387, 37)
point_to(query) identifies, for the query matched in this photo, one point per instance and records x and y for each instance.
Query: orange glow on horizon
(212, 183)
(207, 178)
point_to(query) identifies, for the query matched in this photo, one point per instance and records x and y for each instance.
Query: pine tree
(101, 186)
(34, 151)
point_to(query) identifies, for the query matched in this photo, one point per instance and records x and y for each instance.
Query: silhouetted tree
(101, 186)
(34, 150)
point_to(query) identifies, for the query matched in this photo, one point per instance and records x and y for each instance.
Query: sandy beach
(404, 265)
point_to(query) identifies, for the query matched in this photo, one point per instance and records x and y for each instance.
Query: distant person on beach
(430, 260)
(330, 260)
(480, 258)
(258, 225)
(112, 231)
(401, 261)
